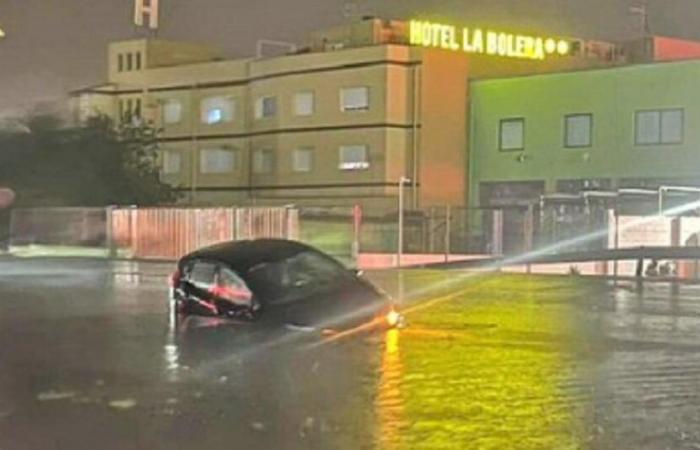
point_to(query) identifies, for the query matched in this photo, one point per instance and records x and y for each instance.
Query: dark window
(511, 134)
(662, 126)
(137, 108)
(229, 286)
(201, 274)
(138, 60)
(120, 63)
(129, 61)
(578, 130)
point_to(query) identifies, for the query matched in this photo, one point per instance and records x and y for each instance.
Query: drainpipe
(414, 124)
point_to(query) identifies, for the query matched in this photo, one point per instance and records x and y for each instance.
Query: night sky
(53, 46)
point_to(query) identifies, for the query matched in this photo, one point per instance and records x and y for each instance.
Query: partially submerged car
(277, 282)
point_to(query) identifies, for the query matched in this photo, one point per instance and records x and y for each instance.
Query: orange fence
(169, 233)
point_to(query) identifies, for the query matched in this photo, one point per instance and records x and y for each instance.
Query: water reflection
(390, 402)
(490, 368)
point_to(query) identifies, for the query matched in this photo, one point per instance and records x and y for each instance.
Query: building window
(663, 126)
(129, 61)
(577, 130)
(120, 62)
(138, 60)
(217, 160)
(265, 107)
(304, 103)
(218, 110)
(303, 160)
(354, 157)
(354, 99)
(263, 160)
(172, 111)
(137, 108)
(172, 162)
(511, 134)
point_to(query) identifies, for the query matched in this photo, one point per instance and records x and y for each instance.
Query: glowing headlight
(393, 319)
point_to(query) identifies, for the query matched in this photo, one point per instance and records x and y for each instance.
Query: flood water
(88, 360)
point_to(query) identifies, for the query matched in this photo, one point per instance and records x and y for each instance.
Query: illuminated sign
(486, 42)
(146, 9)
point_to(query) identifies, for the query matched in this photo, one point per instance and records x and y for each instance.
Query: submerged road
(88, 361)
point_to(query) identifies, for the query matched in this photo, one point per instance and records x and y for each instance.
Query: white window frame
(170, 117)
(260, 112)
(348, 104)
(212, 159)
(502, 126)
(304, 103)
(226, 106)
(258, 165)
(346, 165)
(299, 168)
(171, 162)
(570, 122)
(661, 131)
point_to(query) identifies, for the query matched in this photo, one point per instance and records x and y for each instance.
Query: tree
(96, 164)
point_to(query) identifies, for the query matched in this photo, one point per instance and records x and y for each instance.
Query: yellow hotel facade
(335, 124)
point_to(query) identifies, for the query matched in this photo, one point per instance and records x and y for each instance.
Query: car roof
(242, 255)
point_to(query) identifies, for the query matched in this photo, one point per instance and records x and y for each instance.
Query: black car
(277, 282)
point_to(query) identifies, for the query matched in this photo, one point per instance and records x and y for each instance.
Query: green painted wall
(612, 96)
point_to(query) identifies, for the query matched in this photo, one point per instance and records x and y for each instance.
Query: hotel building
(338, 122)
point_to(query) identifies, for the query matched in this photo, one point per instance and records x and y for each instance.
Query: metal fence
(344, 232)
(438, 230)
(75, 227)
(149, 233)
(169, 233)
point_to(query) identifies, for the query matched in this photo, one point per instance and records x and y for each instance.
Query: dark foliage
(96, 164)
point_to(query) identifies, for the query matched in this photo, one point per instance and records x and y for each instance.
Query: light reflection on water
(390, 401)
(487, 369)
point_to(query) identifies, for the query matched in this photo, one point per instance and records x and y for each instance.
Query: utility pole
(642, 11)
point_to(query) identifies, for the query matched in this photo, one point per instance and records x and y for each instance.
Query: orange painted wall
(443, 136)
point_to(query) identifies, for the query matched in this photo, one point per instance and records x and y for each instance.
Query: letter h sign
(143, 9)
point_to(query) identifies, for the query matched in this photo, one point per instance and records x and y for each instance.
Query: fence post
(616, 238)
(448, 220)
(357, 223)
(497, 232)
(109, 232)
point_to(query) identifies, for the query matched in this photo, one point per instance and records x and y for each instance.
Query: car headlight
(394, 319)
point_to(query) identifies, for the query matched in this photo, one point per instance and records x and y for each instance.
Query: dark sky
(53, 46)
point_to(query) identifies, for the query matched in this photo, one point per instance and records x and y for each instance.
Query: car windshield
(298, 276)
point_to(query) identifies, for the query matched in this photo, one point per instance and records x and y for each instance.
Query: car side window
(230, 286)
(202, 274)
(296, 278)
(309, 266)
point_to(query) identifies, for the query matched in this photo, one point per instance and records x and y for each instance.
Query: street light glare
(2, 33)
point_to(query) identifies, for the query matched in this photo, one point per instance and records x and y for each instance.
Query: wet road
(87, 360)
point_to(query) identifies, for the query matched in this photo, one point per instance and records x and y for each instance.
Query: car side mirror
(357, 272)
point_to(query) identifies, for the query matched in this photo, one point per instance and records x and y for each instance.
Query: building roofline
(578, 71)
(247, 80)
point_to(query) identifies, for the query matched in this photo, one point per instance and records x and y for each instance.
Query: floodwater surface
(88, 360)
